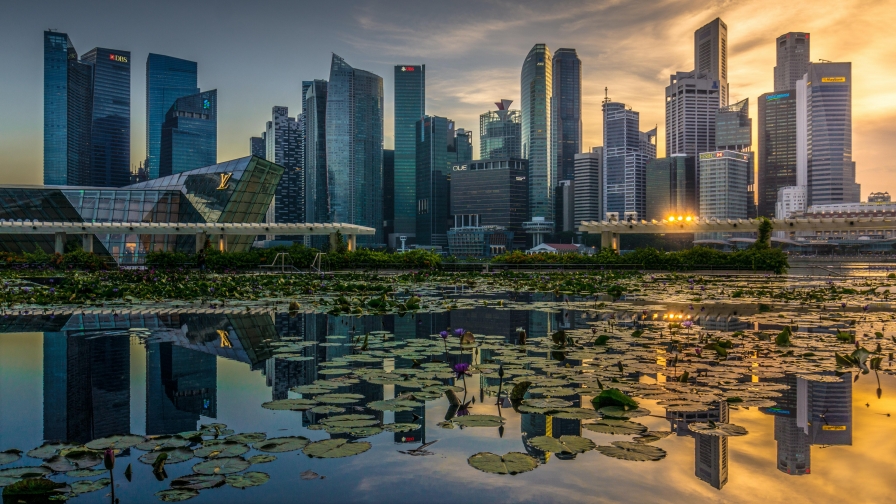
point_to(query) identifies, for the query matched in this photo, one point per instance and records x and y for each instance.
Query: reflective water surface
(813, 436)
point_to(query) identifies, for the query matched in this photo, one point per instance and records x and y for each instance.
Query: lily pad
(310, 389)
(622, 412)
(575, 414)
(83, 458)
(401, 427)
(628, 450)
(176, 494)
(510, 463)
(613, 397)
(335, 448)
(58, 463)
(652, 436)
(225, 465)
(565, 444)
(717, 429)
(119, 442)
(10, 456)
(338, 398)
(87, 486)
(612, 426)
(396, 405)
(161, 442)
(198, 481)
(282, 444)
(175, 455)
(290, 404)
(25, 472)
(246, 480)
(479, 421)
(326, 409)
(547, 403)
(365, 431)
(86, 473)
(224, 449)
(50, 448)
(248, 438)
(261, 459)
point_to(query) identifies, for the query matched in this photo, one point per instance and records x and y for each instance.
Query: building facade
(536, 88)
(792, 60)
(283, 146)
(110, 122)
(189, 137)
(565, 206)
(626, 153)
(589, 186)
(436, 153)
(317, 200)
(354, 126)
(724, 176)
(776, 153)
(410, 108)
(492, 192)
(711, 55)
(257, 146)
(500, 132)
(167, 79)
(671, 187)
(566, 111)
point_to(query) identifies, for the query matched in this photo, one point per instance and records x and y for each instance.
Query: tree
(763, 240)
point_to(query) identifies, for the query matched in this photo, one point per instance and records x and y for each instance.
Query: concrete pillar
(609, 239)
(222, 243)
(87, 242)
(334, 243)
(60, 243)
(352, 242)
(200, 241)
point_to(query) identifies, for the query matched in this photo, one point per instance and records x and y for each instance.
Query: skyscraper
(68, 94)
(283, 147)
(734, 132)
(724, 176)
(536, 89)
(410, 101)
(567, 111)
(711, 54)
(671, 187)
(491, 193)
(389, 195)
(189, 137)
(110, 140)
(500, 132)
(436, 153)
(792, 60)
(691, 105)
(589, 186)
(355, 147)
(167, 79)
(626, 153)
(776, 152)
(826, 130)
(257, 146)
(317, 207)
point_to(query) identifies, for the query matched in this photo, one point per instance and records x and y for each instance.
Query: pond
(258, 404)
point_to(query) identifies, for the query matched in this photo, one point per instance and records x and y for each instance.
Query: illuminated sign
(118, 58)
(459, 167)
(833, 427)
(225, 339)
(206, 104)
(777, 96)
(721, 154)
(778, 410)
(711, 155)
(407, 69)
(225, 181)
(833, 79)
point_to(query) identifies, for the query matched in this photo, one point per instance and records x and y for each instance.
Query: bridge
(610, 230)
(202, 230)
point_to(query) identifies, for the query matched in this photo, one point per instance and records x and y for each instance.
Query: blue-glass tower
(189, 134)
(355, 148)
(536, 90)
(317, 206)
(410, 99)
(167, 79)
(567, 112)
(110, 121)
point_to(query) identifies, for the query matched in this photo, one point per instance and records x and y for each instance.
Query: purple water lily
(461, 369)
(687, 324)
(444, 334)
(52, 290)
(459, 331)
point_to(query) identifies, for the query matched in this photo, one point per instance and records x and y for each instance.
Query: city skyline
(463, 82)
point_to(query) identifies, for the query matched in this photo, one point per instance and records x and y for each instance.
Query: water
(83, 377)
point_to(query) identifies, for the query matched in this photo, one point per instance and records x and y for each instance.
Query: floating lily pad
(335, 448)
(652, 436)
(161, 442)
(290, 404)
(339, 398)
(396, 405)
(628, 450)
(248, 437)
(350, 424)
(176, 494)
(24, 472)
(547, 403)
(311, 389)
(401, 427)
(83, 458)
(10, 456)
(717, 429)
(226, 465)
(479, 421)
(623, 413)
(282, 444)
(175, 455)
(246, 480)
(224, 449)
(326, 409)
(510, 463)
(334, 372)
(261, 459)
(575, 414)
(51, 448)
(198, 481)
(87, 486)
(119, 442)
(365, 431)
(565, 444)
(612, 426)
(58, 463)
(86, 473)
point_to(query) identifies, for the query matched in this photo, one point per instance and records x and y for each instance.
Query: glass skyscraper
(491, 192)
(110, 122)
(410, 101)
(284, 147)
(626, 153)
(436, 152)
(792, 51)
(190, 134)
(317, 204)
(671, 187)
(567, 111)
(167, 79)
(500, 132)
(354, 127)
(536, 89)
(776, 153)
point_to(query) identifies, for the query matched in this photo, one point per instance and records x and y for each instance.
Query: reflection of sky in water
(203, 387)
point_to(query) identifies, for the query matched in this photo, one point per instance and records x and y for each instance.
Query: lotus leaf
(10, 456)
(224, 465)
(717, 429)
(628, 450)
(86, 486)
(401, 427)
(198, 481)
(613, 426)
(282, 444)
(175, 455)
(246, 480)
(547, 403)
(83, 458)
(326, 409)
(225, 449)
(176, 494)
(247, 438)
(479, 421)
(161, 442)
(58, 463)
(261, 459)
(290, 404)
(575, 414)
(25, 472)
(338, 398)
(613, 397)
(396, 405)
(623, 413)
(567, 444)
(311, 389)
(51, 448)
(115, 442)
(652, 436)
(510, 463)
(85, 473)
(335, 448)
(365, 431)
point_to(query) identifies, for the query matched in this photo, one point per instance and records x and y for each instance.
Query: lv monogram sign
(225, 181)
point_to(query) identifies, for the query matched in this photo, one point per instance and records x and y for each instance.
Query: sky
(256, 54)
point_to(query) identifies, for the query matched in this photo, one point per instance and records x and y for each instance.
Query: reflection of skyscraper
(824, 410)
(181, 385)
(710, 452)
(794, 452)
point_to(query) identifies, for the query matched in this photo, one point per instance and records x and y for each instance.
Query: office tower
(824, 410)
(463, 145)
(792, 60)
(167, 79)
(567, 111)
(355, 148)
(491, 193)
(724, 176)
(536, 89)
(711, 55)
(824, 134)
(589, 186)
(626, 153)
(691, 105)
(317, 206)
(68, 91)
(110, 142)
(776, 153)
(181, 386)
(711, 454)
(671, 187)
(189, 134)
(389, 196)
(436, 153)
(734, 128)
(410, 101)
(257, 146)
(565, 206)
(283, 147)
(500, 132)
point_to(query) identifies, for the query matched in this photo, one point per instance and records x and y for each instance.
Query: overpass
(202, 230)
(610, 230)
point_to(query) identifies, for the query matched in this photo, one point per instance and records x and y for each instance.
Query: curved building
(536, 91)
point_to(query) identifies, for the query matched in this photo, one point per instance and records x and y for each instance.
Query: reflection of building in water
(87, 386)
(181, 385)
(710, 452)
(489, 321)
(794, 455)
(534, 425)
(282, 374)
(824, 410)
(719, 322)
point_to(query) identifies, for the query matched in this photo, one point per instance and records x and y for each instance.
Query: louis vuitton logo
(225, 181)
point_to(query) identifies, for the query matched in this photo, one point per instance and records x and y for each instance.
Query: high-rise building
(389, 196)
(626, 153)
(824, 128)
(565, 206)
(671, 187)
(500, 132)
(734, 128)
(317, 204)
(566, 111)
(491, 193)
(257, 146)
(536, 89)
(167, 79)
(354, 128)
(410, 108)
(692, 102)
(189, 137)
(711, 55)
(724, 176)
(776, 153)
(589, 186)
(436, 154)
(283, 147)
(792, 60)
(110, 142)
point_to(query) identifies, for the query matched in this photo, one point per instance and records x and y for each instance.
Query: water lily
(109, 459)
(459, 331)
(698, 351)
(461, 368)
(687, 323)
(444, 334)
(865, 308)
(52, 290)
